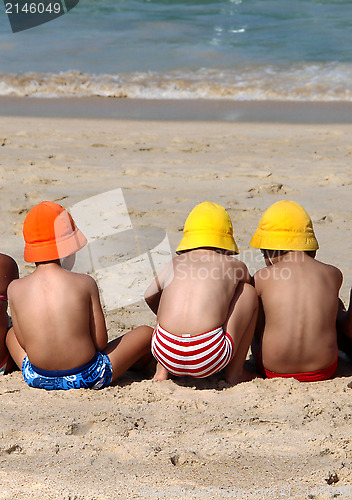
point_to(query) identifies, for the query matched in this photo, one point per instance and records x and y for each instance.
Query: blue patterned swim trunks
(94, 375)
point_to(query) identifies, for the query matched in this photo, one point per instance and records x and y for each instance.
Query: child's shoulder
(8, 266)
(236, 261)
(85, 279)
(331, 270)
(238, 265)
(14, 286)
(78, 283)
(265, 276)
(263, 273)
(7, 258)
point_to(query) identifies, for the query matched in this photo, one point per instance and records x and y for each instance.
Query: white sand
(262, 439)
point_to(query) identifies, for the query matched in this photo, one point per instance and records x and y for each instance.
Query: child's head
(208, 226)
(285, 226)
(50, 233)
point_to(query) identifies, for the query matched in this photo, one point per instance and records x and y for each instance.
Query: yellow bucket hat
(208, 225)
(285, 226)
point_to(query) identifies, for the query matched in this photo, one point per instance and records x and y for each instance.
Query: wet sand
(179, 109)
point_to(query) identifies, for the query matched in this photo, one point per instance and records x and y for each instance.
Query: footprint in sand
(324, 219)
(276, 188)
(335, 180)
(142, 171)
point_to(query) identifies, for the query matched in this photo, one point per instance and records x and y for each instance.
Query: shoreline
(221, 110)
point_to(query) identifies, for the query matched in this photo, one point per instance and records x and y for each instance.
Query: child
(59, 335)
(299, 298)
(204, 289)
(8, 273)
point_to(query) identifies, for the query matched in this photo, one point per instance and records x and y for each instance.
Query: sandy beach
(178, 439)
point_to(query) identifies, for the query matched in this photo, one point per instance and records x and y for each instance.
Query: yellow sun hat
(285, 226)
(208, 225)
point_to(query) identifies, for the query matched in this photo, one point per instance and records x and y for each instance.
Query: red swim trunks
(197, 355)
(315, 376)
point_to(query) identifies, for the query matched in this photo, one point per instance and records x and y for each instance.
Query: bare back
(300, 301)
(198, 288)
(57, 317)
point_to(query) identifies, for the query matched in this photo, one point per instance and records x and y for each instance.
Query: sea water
(236, 49)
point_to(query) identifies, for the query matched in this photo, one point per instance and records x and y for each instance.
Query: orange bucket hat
(50, 233)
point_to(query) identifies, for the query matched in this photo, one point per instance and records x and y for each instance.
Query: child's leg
(17, 352)
(240, 324)
(3, 330)
(127, 350)
(161, 373)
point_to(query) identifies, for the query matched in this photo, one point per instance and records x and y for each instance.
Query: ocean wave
(313, 82)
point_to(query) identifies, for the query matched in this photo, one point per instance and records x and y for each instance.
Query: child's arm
(153, 293)
(260, 325)
(97, 323)
(14, 338)
(9, 272)
(243, 273)
(259, 328)
(344, 318)
(15, 324)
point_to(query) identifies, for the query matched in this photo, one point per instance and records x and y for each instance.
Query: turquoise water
(238, 49)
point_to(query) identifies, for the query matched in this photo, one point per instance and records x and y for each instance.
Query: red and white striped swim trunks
(197, 355)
